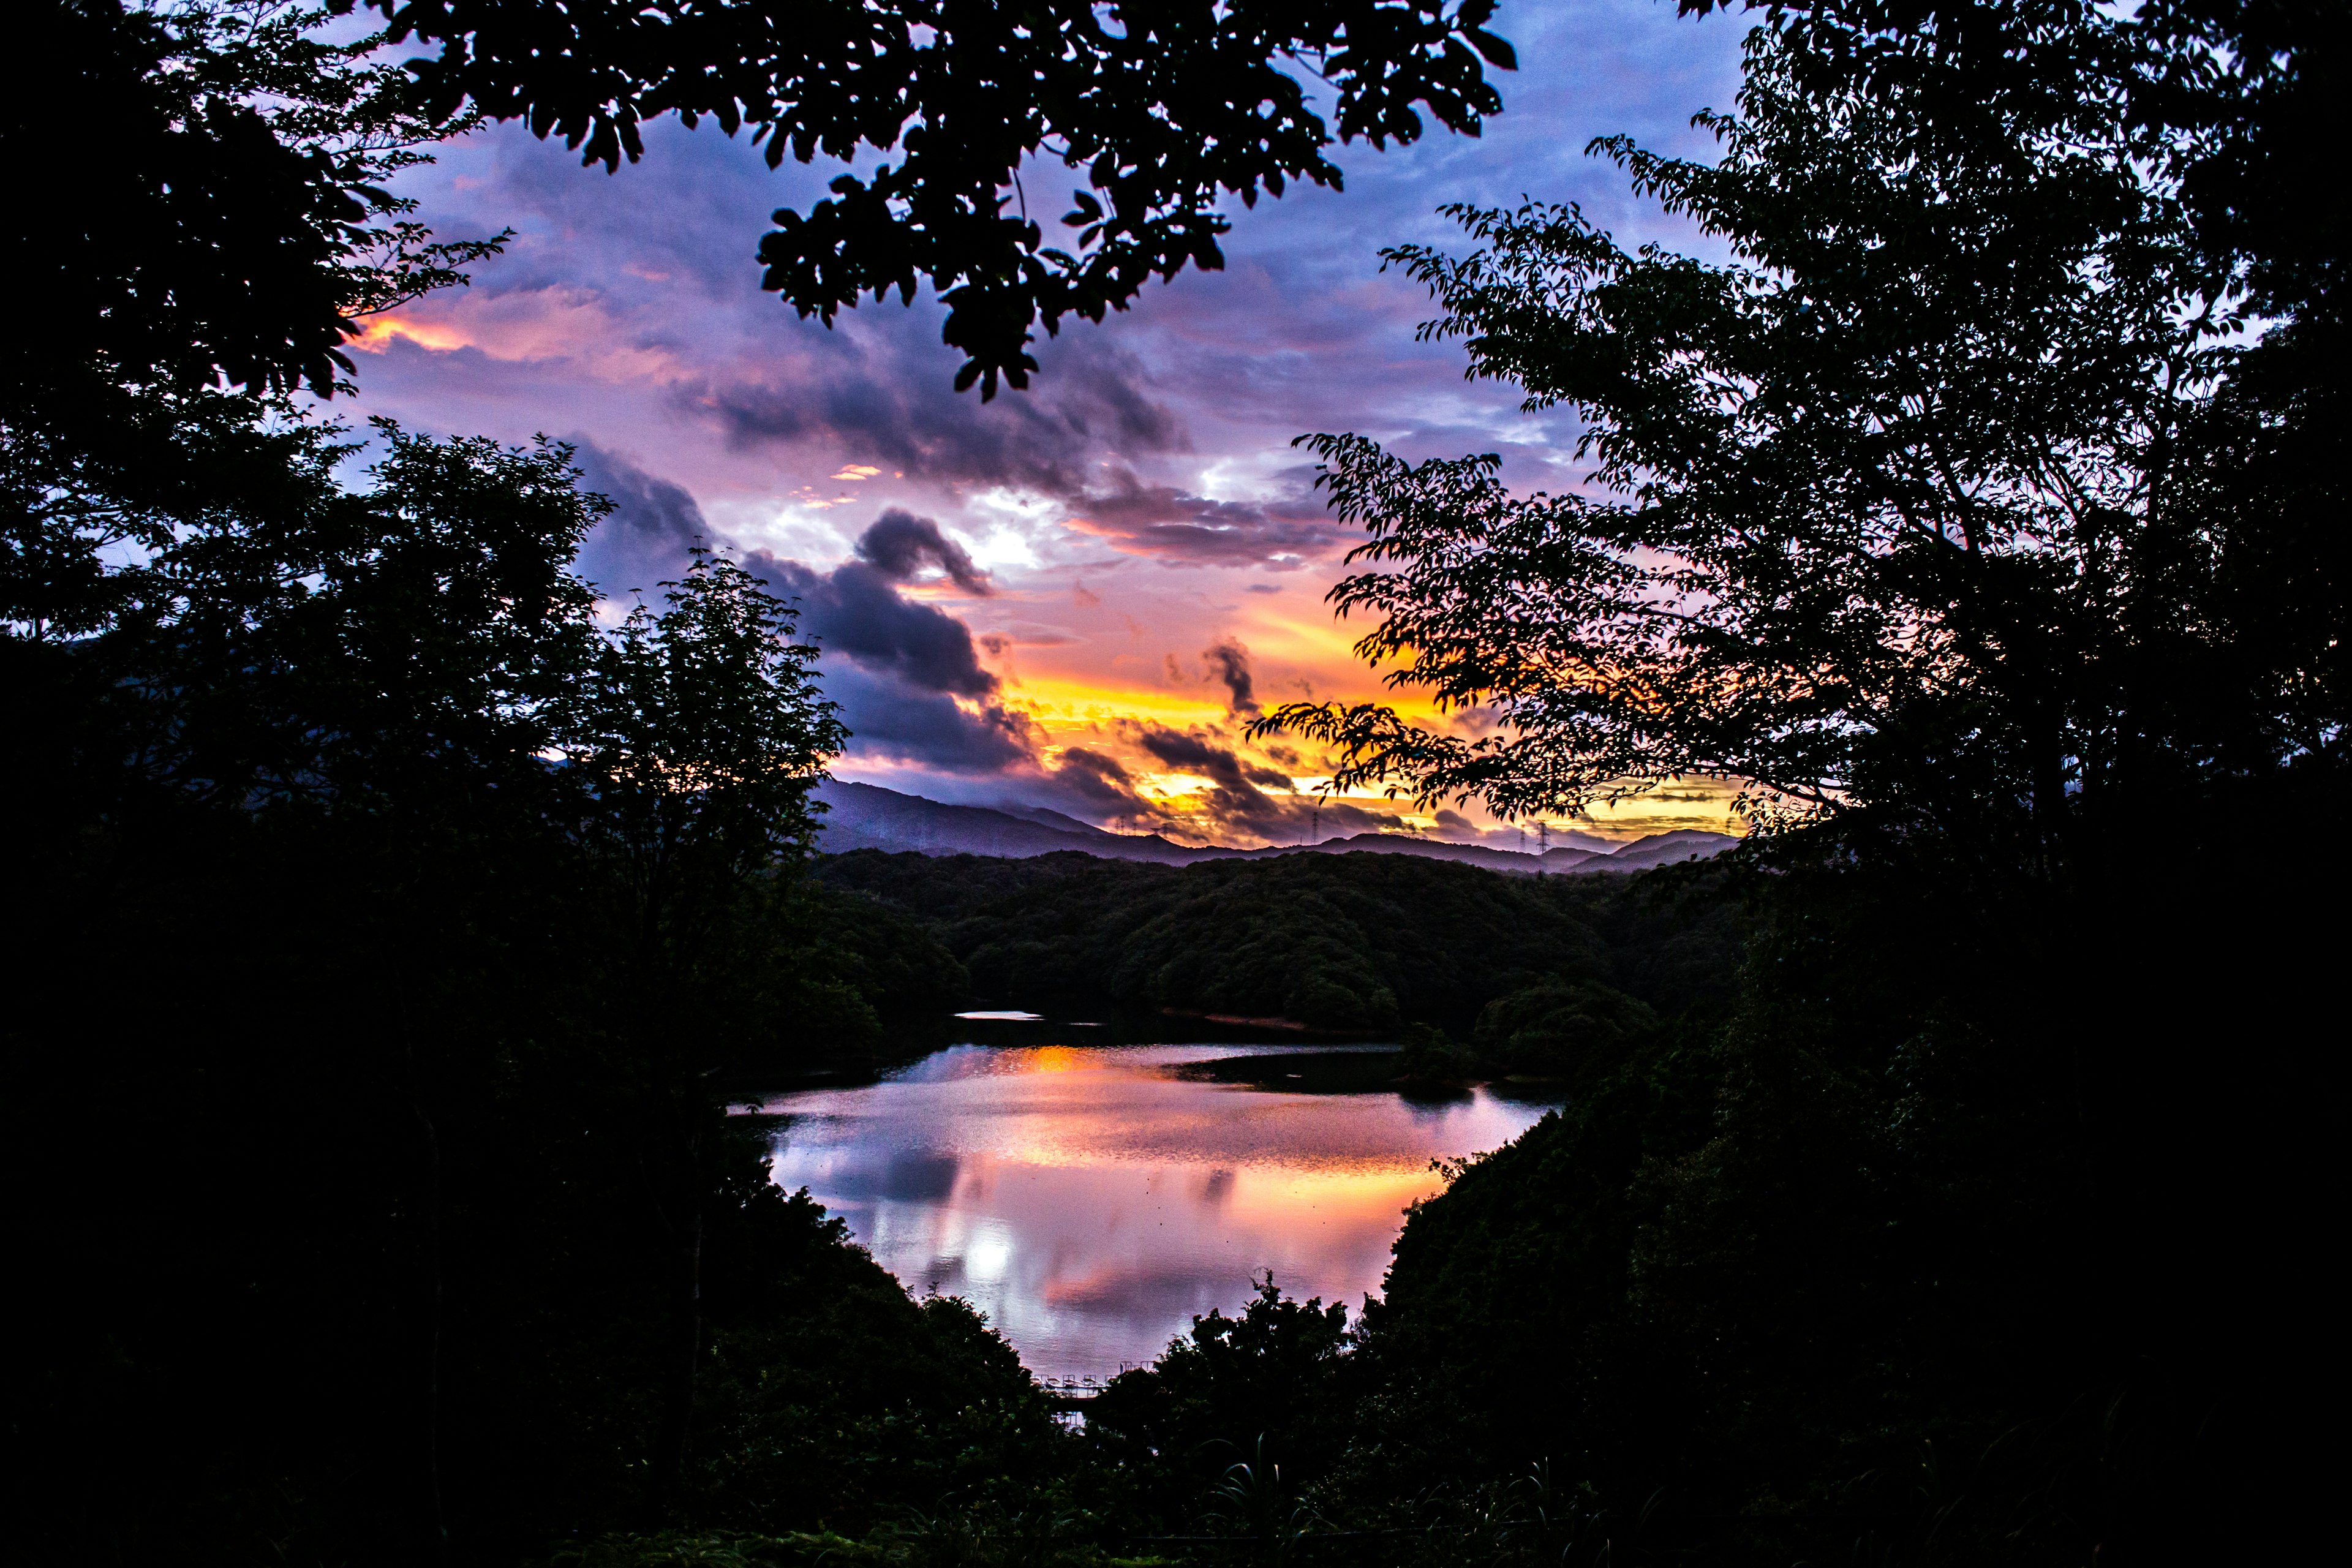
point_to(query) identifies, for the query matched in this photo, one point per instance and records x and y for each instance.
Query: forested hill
(1358, 942)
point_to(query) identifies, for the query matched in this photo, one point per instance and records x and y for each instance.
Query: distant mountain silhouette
(1439, 850)
(1050, 818)
(868, 817)
(1660, 848)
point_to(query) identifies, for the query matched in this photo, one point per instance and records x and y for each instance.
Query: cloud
(1028, 634)
(1178, 528)
(856, 610)
(1100, 781)
(1456, 829)
(878, 398)
(1236, 804)
(643, 540)
(1228, 661)
(628, 307)
(906, 675)
(900, 544)
(887, 717)
(872, 399)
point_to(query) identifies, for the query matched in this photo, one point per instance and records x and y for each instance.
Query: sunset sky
(1073, 596)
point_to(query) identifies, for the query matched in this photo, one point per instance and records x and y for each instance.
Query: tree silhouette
(1161, 108)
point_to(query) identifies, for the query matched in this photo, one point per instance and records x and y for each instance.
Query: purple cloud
(876, 397)
(644, 540)
(899, 545)
(890, 716)
(897, 666)
(1180, 529)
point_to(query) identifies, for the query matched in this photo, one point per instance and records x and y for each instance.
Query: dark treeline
(359, 1064)
(381, 919)
(386, 929)
(1367, 943)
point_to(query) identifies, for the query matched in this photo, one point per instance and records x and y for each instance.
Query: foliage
(1358, 941)
(1968, 508)
(222, 222)
(458, 1241)
(1227, 1408)
(834, 1397)
(409, 917)
(218, 208)
(1912, 480)
(902, 966)
(695, 733)
(1163, 107)
(1549, 1028)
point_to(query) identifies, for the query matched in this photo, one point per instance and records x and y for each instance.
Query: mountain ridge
(868, 817)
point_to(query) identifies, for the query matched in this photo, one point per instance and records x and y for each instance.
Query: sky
(1078, 595)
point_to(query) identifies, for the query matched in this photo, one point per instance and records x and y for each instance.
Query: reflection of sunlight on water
(1091, 1203)
(987, 1253)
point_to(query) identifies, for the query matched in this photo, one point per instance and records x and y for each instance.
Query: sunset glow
(1090, 587)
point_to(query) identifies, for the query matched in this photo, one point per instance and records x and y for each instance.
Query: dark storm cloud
(1198, 754)
(1456, 829)
(1314, 820)
(897, 666)
(899, 545)
(889, 717)
(1105, 787)
(1228, 661)
(878, 399)
(855, 610)
(644, 540)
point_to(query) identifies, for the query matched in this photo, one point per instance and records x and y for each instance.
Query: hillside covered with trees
(1357, 943)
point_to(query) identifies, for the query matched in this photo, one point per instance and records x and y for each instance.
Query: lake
(1091, 1199)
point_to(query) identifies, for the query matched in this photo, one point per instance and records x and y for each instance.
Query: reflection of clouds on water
(911, 1177)
(1141, 1294)
(1091, 1203)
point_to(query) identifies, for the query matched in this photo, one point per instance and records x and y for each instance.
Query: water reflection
(1092, 1199)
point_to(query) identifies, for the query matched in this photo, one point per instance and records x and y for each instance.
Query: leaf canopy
(1899, 492)
(1162, 108)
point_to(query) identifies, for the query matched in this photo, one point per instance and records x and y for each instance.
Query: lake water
(1092, 1199)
